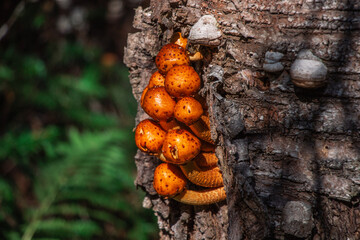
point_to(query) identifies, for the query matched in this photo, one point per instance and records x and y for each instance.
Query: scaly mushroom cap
(182, 81)
(180, 146)
(188, 110)
(168, 180)
(149, 136)
(179, 40)
(158, 104)
(143, 96)
(169, 56)
(157, 79)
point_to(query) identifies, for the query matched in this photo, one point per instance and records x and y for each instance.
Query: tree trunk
(290, 156)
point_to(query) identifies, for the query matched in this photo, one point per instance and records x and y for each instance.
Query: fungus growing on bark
(149, 136)
(169, 181)
(308, 71)
(179, 40)
(201, 197)
(169, 56)
(201, 129)
(156, 79)
(158, 104)
(188, 110)
(205, 177)
(180, 146)
(182, 81)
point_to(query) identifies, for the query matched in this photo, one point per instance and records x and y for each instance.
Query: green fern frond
(91, 184)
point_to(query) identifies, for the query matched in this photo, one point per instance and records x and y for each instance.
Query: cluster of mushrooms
(179, 131)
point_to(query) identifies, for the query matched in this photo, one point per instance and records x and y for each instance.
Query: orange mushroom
(149, 136)
(180, 146)
(189, 111)
(201, 197)
(179, 40)
(205, 176)
(158, 104)
(169, 56)
(170, 182)
(143, 96)
(156, 79)
(182, 81)
(201, 129)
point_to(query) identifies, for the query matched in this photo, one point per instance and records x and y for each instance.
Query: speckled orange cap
(158, 104)
(169, 56)
(168, 180)
(182, 81)
(180, 146)
(149, 136)
(188, 110)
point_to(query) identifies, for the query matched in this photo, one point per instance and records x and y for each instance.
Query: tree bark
(290, 157)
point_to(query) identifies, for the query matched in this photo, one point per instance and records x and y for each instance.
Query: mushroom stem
(196, 56)
(210, 177)
(201, 129)
(201, 197)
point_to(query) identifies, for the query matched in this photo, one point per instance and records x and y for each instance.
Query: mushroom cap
(157, 79)
(143, 96)
(158, 104)
(180, 146)
(179, 40)
(149, 136)
(182, 81)
(169, 56)
(168, 180)
(188, 110)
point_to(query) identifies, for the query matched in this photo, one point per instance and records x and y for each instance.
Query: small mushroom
(308, 71)
(149, 136)
(169, 56)
(272, 62)
(205, 32)
(158, 104)
(188, 110)
(182, 81)
(180, 146)
(169, 181)
(156, 79)
(179, 40)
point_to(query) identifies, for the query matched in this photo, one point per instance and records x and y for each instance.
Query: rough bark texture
(290, 157)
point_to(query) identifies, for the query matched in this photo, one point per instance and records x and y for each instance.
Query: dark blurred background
(67, 113)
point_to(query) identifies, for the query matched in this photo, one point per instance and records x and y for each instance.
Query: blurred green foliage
(67, 148)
